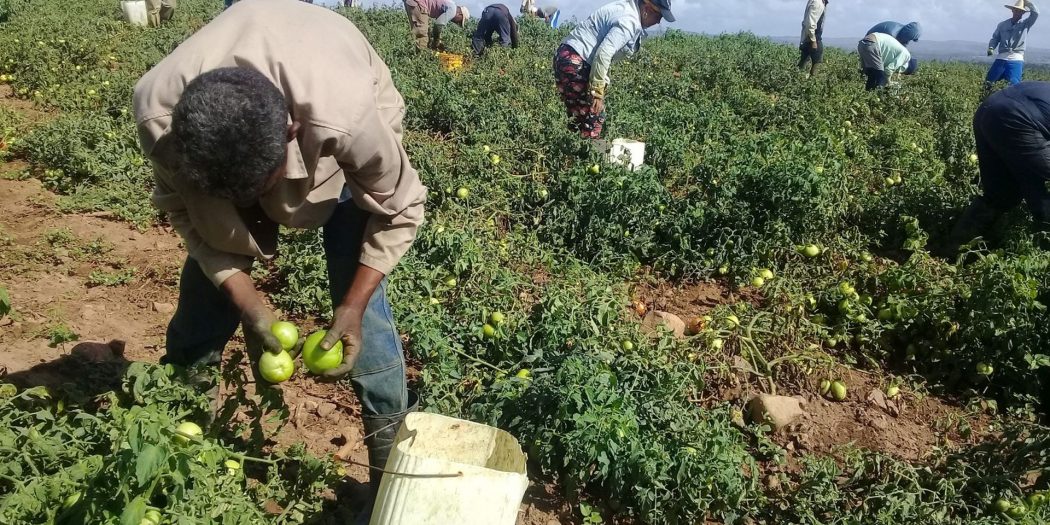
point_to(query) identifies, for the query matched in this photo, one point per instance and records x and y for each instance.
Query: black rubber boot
(205, 379)
(976, 221)
(380, 431)
(1041, 231)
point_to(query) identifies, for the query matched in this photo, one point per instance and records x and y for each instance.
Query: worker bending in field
(1012, 133)
(420, 12)
(548, 13)
(583, 61)
(811, 46)
(904, 33)
(159, 11)
(1009, 40)
(882, 56)
(496, 18)
(245, 136)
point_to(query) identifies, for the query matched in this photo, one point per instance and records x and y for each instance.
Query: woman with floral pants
(582, 62)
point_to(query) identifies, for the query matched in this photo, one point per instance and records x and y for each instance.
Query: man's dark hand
(346, 321)
(346, 327)
(258, 338)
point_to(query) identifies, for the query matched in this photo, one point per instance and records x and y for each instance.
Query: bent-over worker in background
(904, 33)
(496, 18)
(583, 61)
(420, 12)
(882, 56)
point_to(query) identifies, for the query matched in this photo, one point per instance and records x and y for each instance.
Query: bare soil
(908, 427)
(46, 262)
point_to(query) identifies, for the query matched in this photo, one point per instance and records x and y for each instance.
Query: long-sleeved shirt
(1009, 37)
(1034, 101)
(813, 21)
(895, 56)
(338, 90)
(904, 33)
(610, 34)
(442, 11)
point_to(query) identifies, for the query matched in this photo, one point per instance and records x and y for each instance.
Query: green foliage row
(112, 461)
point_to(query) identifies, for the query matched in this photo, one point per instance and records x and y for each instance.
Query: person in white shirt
(811, 45)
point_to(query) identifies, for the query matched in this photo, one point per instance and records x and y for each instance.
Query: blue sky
(970, 20)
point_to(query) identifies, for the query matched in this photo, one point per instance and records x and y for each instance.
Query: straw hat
(1020, 6)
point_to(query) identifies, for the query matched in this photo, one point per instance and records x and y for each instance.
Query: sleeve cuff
(381, 265)
(219, 266)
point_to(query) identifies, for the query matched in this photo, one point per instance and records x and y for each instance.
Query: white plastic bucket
(627, 152)
(134, 12)
(445, 471)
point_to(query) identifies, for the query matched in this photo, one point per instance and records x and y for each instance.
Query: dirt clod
(325, 409)
(778, 411)
(668, 320)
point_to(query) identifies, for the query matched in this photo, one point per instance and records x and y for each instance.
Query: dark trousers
(808, 53)
(877, 78)
(205, 319)
(1014, 156)
(493, 20)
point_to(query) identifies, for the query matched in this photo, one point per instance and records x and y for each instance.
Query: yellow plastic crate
(450, 61)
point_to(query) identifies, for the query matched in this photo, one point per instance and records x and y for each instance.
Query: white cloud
(969, 20)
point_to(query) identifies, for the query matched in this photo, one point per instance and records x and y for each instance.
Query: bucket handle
(393, 472)
(403, 474)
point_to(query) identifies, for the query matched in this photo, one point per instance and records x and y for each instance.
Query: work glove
(991, 51)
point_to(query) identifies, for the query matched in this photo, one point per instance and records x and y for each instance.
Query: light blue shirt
(610, 34)
(895, 56)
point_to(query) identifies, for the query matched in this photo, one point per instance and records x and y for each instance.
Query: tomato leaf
(148, 463)
(5, 302)
(133, 512)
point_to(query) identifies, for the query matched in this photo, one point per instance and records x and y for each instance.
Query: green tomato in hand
(286, 333)
(317, 359)
(276, 368)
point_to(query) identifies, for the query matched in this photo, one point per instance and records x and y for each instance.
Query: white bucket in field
(134, 12)
(630, 153)
(445, 471)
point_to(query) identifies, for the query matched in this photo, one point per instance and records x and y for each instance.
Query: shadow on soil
(90, 369)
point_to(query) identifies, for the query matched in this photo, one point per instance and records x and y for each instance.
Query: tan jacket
(341, 93)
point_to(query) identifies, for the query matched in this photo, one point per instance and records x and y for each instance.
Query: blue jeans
(1008, 70)
(205, 319)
